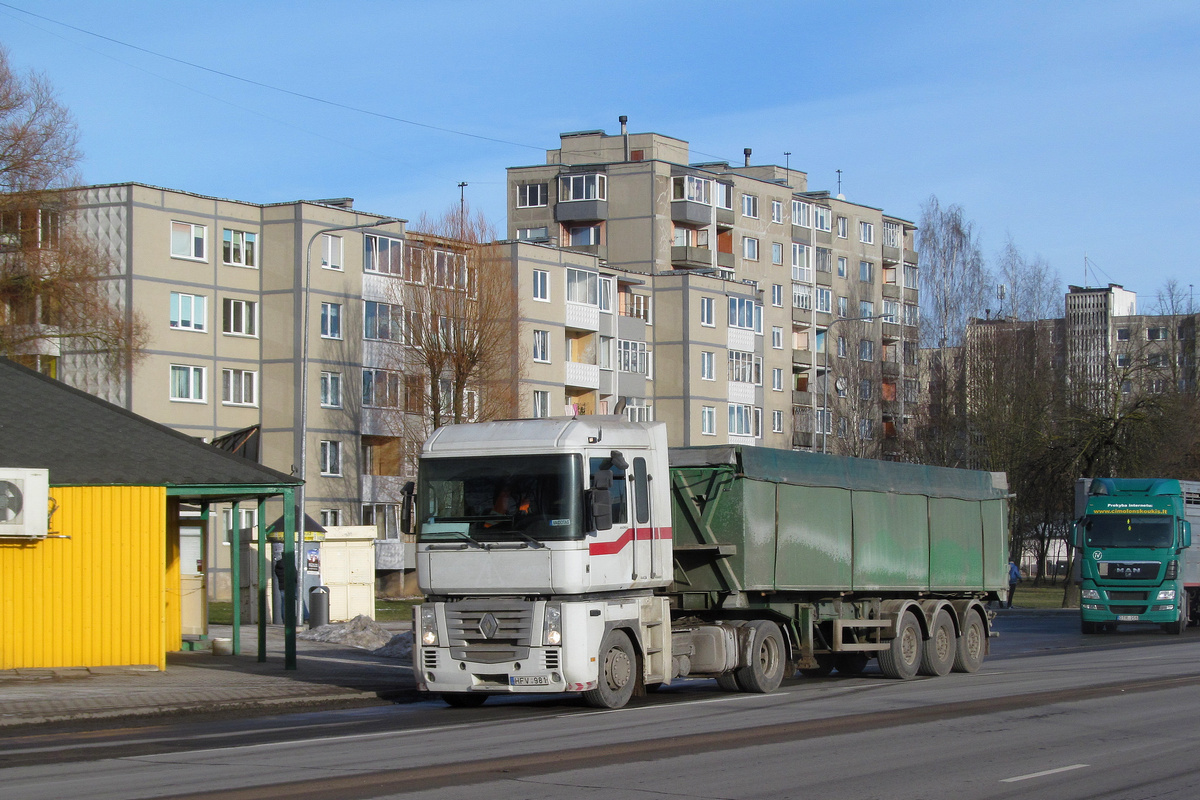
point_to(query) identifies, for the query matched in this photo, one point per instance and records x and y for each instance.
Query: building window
(866, 429)
(1123, 360)
(801, 213)
(801, 266)
(776, 253)
(824, 259)
(381, 389)
(707, 366)
(240, 248)
(1156, 334)
(691, 189)
(911, 276)
(841, 268)
(750, 248)
(1122, 334)
(189, 241)
(188, 311)
(866, 308)
(583, 287)
(841, 353)
(331, 389)
(891, 311)
(866, 350)
(866, 271)
(331, 457)
(541, 285)
(239, 387)
(584, 236)
(742, 367)
(331, 320)
(638, 410)
(331, 251)
(866, 232)
(891, 235)
(708, 420)
(606, 294)
(777, 379)
(741, 419)
(865, 389)
(383, 254)
(582, 187)
(533, 234)
(707, 314)
(842, 304)
(823, 217)
(912, 315)
(802, 296)
(532, 195)
(750, 206)
(633, 357)
(541, 346)
(330, 516)
(776, 337)
(777, 422)
(911, 391)
(777, 295)
(541, 404)
(745, 314)
(187, 383)
(382, 321)
(725, 196)
(824, 300)
(776, 211)
(841, 227)
(239, 317)
(604, 358)
(822, 421)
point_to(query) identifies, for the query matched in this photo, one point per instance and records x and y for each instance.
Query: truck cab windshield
(1128, 530)
(500, 498)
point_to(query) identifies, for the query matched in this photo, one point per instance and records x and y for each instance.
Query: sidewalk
(327, 676)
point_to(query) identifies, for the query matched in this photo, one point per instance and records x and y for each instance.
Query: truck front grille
(1126, 595)
(1127, 609)
(489, 631)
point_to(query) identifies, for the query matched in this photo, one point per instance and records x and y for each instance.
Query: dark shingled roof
(86, 441)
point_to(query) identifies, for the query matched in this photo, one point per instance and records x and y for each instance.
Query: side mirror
(406, 509)
(600, 500)
(1079, 532)
(1185, 534)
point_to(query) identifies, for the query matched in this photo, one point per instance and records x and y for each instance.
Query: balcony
(802, 316)
(801, 398)
(891, 291)
(725, 217)
(691, 213)
(801, 234)
(891, 369)
(687, 257)
(581, 211)
(802, 439)
(726, 260)
(891, 255)
(582, 317)
(584, 376)
(891, 332)
(802, 358)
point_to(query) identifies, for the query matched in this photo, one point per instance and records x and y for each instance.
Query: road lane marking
(1044, 773)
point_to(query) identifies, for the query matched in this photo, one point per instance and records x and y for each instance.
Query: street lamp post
(825, 377)
(291, 566)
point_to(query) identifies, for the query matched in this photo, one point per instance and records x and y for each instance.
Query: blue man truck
(1137, 562)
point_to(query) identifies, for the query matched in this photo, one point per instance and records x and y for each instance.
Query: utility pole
(462, 209)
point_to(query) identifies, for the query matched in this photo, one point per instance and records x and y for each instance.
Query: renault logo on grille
(488, 626)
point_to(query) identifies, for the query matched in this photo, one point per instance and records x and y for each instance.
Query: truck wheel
(618, 672)
(765, 671)
(968, 654)
(937, 656)
(1178, 626)
(464, 699)
(825, 664)
(1091, 627)
(852, 663)
(728, 682)
(903, 656)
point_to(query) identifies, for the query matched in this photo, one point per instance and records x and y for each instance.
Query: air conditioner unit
(24, 503)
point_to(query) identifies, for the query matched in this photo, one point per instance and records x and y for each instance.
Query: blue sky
(1068, 126)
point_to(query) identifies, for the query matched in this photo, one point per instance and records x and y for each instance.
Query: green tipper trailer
(840, 551)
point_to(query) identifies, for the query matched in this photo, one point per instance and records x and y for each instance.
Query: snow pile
(400, 646)
(362, 631)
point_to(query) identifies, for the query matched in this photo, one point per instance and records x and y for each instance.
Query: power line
(260, 84)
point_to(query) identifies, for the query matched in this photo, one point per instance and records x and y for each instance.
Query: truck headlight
(1090, 594)
(429, 634)
(1166, 594)
(552, 627)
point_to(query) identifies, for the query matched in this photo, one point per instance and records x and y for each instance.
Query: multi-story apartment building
(745, 275)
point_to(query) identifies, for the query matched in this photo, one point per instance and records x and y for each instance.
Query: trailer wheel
(618, 672)
(852, 663)
(903, 657)
(937, 656)
(968, 656)
(464, 699)
(825, 664)
(768, 655)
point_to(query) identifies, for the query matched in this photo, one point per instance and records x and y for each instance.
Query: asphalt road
(1052, 714)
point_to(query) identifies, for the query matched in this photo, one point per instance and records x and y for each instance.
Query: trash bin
(318, 606)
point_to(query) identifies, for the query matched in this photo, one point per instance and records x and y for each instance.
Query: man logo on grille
(488, 626)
